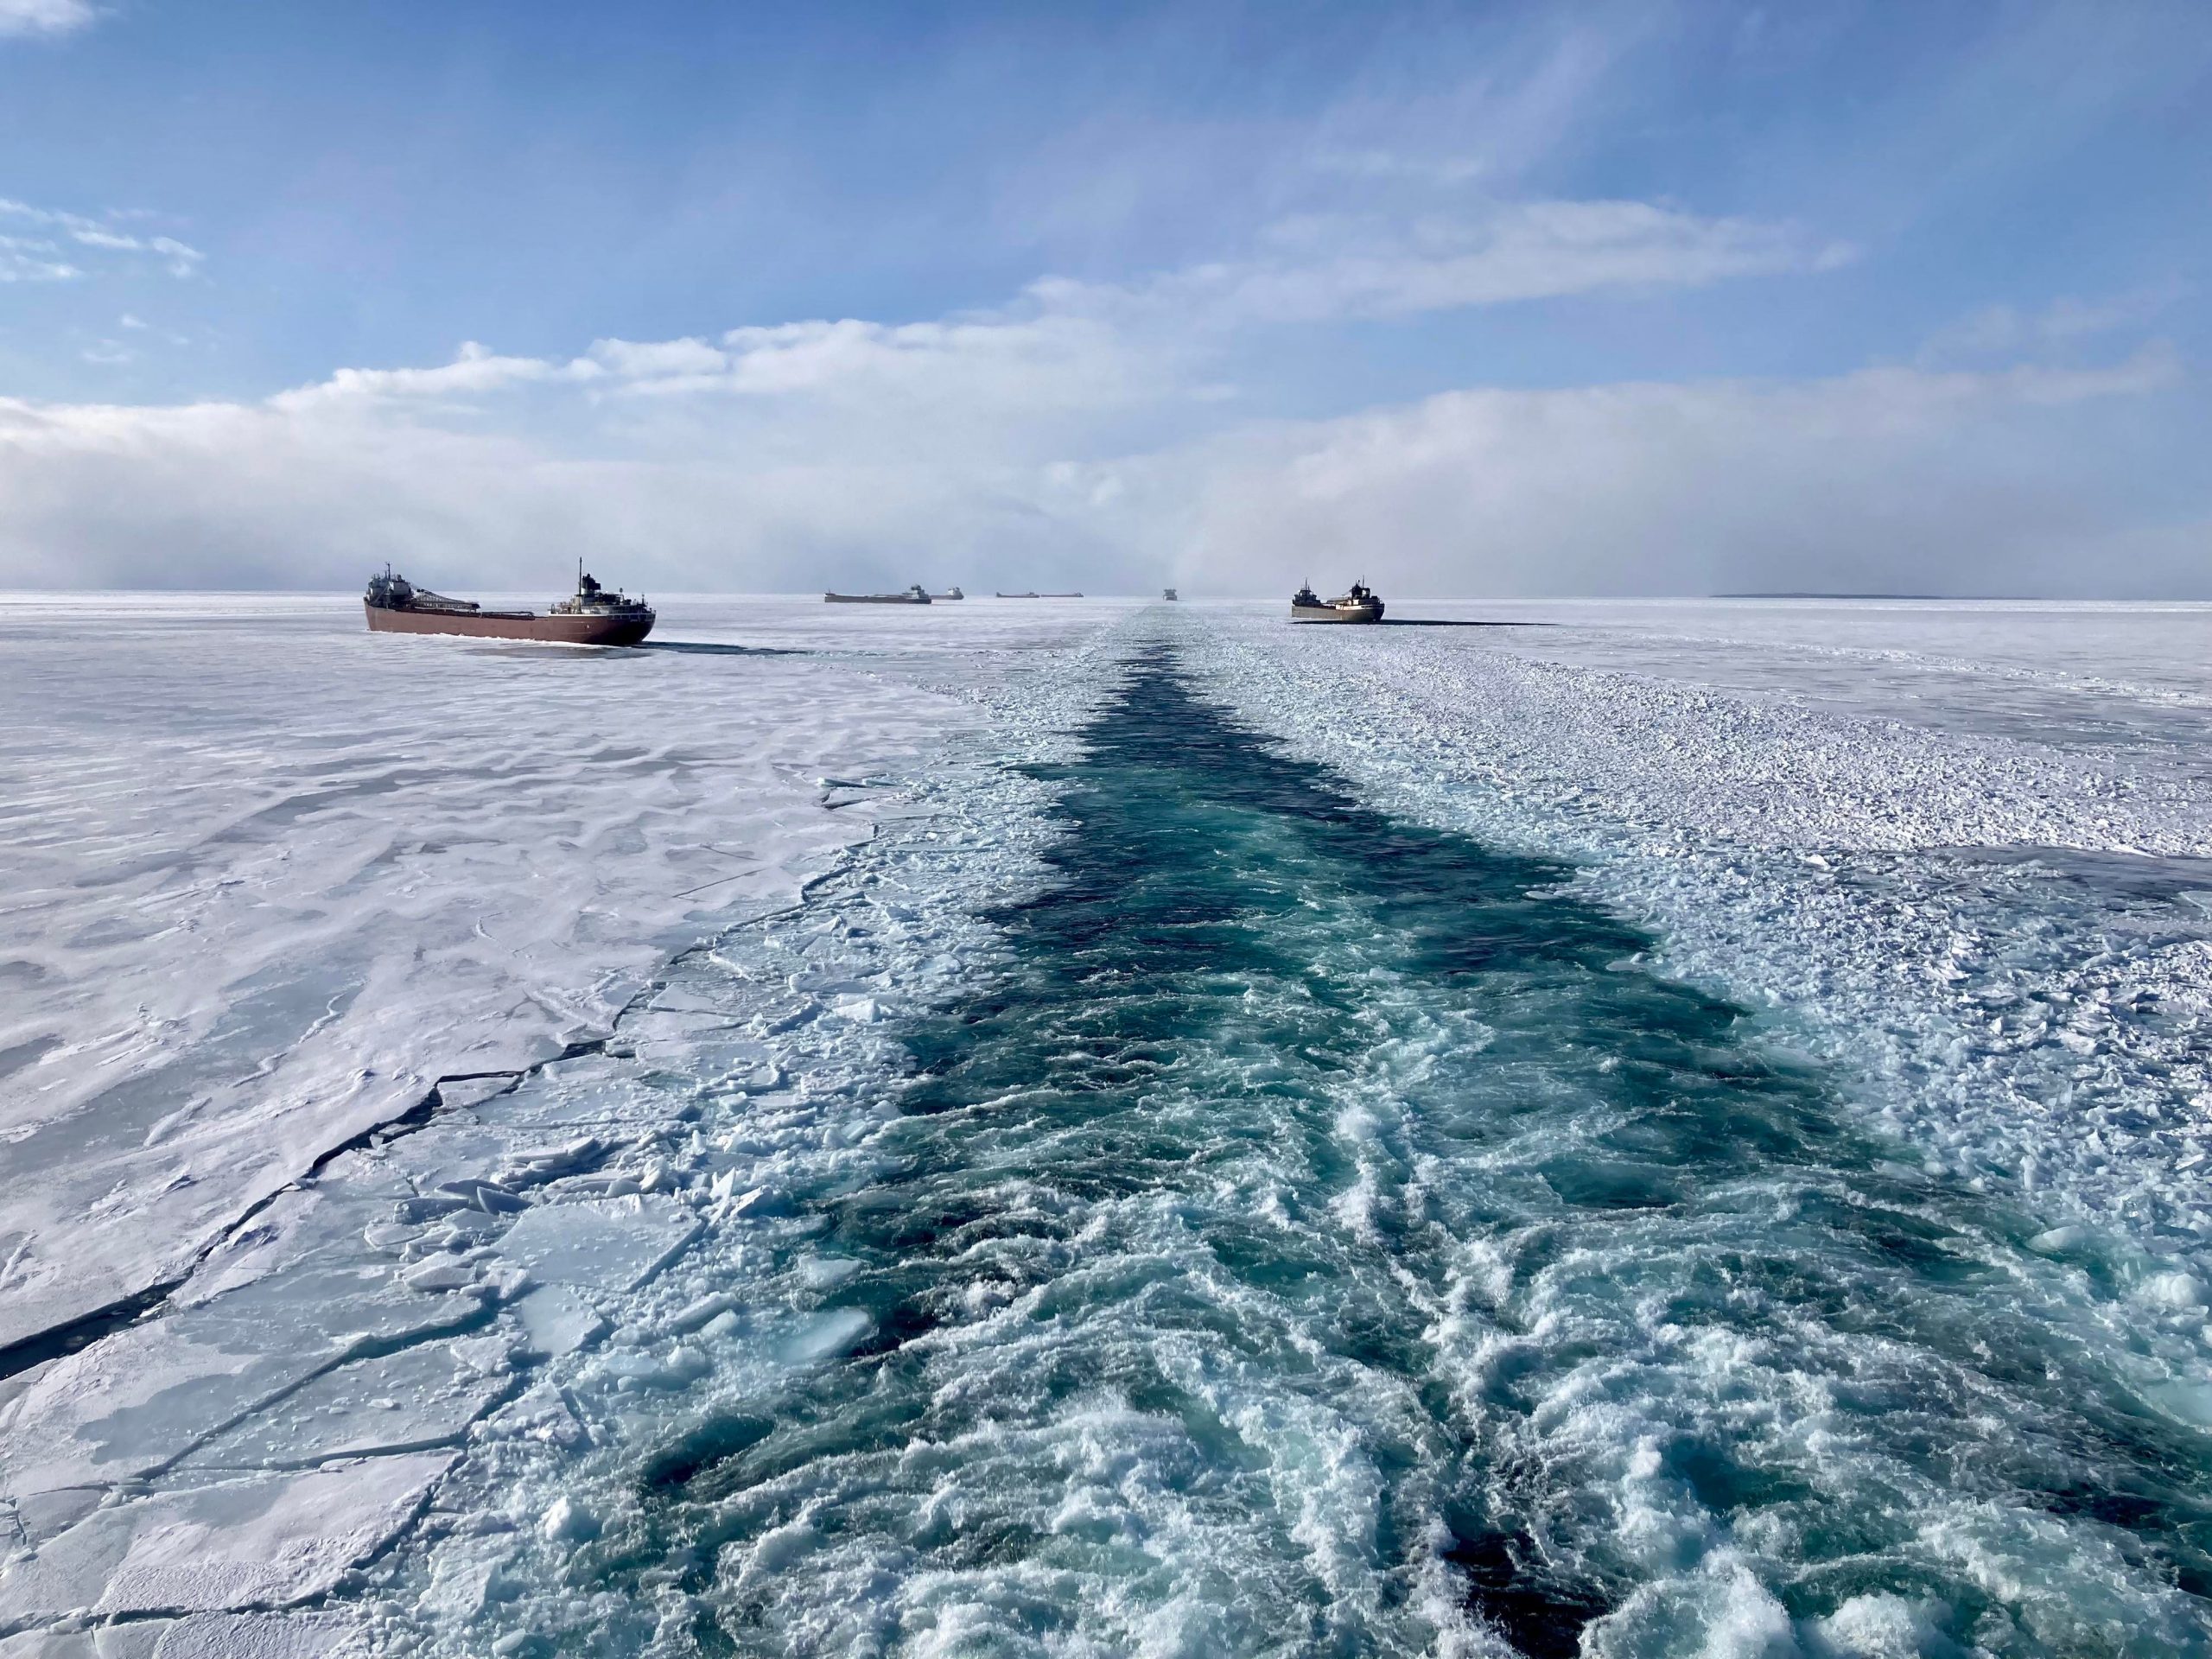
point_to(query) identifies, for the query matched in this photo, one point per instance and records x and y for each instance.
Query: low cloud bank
(1084, 435)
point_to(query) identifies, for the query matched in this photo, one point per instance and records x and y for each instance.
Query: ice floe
(270, 878)
(340, 1310)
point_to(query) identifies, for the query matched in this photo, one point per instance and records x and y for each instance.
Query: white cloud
(44, 16)
(811, 380)
(756, 459)
(662, 359)
(1898, 477)
(474, 371)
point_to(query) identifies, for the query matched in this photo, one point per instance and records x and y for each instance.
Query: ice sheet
(266, 877)
(262, 1540)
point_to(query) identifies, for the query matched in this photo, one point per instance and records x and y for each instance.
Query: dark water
(1326, 1238)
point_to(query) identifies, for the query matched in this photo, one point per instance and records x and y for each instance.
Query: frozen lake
(1090, 1129)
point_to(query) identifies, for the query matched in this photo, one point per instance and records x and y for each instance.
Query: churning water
(1326, 1238)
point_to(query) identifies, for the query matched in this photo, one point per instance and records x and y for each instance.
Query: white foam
(1927, 838)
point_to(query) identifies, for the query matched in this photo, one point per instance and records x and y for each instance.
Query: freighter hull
(1330, 613)
(551, 629)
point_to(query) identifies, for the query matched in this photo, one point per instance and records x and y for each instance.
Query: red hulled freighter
(593, 616)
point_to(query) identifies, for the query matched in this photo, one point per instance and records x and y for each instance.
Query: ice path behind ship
(1279, 1230)
(1318, 1237)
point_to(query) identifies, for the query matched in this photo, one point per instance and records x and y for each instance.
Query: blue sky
(1629, 298)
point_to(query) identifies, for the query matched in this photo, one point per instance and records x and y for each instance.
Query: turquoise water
(1326, 1236)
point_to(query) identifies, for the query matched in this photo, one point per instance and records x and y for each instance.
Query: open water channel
(1322, 1235)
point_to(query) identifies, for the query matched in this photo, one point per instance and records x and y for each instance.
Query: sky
(1471, 299)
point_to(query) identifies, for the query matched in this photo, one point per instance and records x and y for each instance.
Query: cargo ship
(1040, 596)
(916, 594)
(591, 616)
(1361, 604)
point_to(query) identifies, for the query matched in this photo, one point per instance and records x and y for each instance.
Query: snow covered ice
(1082, 1129)
(270, 878)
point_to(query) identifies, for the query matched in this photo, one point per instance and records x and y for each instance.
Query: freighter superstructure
(1361, 604)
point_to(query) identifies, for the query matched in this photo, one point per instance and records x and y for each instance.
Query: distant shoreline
(1948, 598)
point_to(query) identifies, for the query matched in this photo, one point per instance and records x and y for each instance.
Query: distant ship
(1167, 593)
(1040, 596)
(592, 616)
(1361, 604)
(913, 595)
(954, 594)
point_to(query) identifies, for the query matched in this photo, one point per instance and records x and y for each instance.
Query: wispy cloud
(1318, 268)
(44, 17)
(182, 260)
(1999, 329)
(34, 259)
(1533, 79)
(1396, 164)
(101, 234)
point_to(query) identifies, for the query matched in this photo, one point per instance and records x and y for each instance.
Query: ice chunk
(568, 1522)
(422, 1396)
(485, 1195)
(552, 1163)
(703, 1310)
(826, 1272)
(826, 1334)
(2173, 1290)
(614, 1243)
(440, 1273)
(558, 1321)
